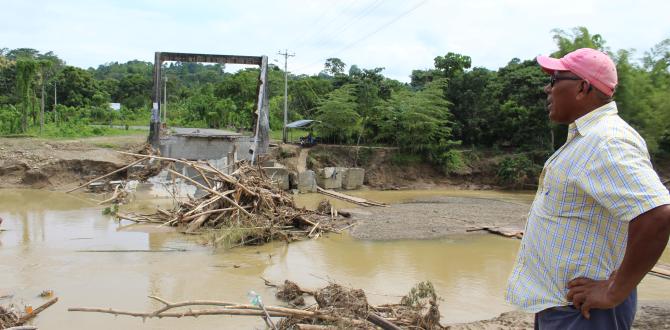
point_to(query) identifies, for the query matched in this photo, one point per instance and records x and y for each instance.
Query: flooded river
(64, 243)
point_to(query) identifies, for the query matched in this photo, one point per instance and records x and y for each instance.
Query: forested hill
(454, 105)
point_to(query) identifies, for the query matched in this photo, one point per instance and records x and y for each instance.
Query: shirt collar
(584, 123)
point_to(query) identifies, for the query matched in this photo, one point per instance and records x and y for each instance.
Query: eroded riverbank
(47, 233)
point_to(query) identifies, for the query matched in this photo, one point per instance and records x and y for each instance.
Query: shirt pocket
(561, 194)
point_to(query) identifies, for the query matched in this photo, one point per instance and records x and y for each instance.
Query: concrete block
(353, 178)
(330, 177)
(307, 181)
(279, 175)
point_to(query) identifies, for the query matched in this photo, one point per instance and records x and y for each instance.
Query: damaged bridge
(217, 146)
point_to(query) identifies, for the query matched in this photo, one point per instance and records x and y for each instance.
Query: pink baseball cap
(589, 64)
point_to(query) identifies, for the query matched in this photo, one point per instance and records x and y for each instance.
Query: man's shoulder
(613, 130)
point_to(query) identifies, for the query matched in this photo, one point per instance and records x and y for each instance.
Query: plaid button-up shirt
(589, 190)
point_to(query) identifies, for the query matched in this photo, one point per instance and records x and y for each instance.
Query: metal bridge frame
(261, 119)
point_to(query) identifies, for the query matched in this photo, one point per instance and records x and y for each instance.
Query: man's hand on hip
(586, 294)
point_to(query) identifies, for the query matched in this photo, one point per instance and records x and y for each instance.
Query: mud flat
(437, 217)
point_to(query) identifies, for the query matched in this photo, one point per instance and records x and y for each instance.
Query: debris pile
(11, 318)
(349, 308)
(243, 208)
(8, 317)
(336, 307)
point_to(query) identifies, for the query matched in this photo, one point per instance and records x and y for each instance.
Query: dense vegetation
(449, 105)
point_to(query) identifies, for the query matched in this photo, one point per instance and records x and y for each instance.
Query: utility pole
(286, 55)
(165, 101)
(55, 104)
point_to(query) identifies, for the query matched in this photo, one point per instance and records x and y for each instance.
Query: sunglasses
(553, 79)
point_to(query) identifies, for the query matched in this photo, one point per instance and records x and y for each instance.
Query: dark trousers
(569, 318)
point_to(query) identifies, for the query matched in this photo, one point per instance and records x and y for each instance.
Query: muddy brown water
(48, 238)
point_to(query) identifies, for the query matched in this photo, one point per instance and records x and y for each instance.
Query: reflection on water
(45, 231)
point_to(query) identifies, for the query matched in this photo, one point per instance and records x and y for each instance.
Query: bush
(401, 159)
(10, 120)
(515, 171)
(363, 156)
(452, 161)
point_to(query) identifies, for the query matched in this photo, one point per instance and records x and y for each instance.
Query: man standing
(600, 218)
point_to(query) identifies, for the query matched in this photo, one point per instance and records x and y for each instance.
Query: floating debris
(242, 208)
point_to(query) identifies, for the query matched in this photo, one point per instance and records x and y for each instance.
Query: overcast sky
(399, 35)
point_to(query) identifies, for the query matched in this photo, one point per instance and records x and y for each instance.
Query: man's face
(561, 96)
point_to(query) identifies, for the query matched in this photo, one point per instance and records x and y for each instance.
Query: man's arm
(647, 238)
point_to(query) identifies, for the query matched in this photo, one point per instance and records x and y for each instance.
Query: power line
(378, 29)
(361, 15)
(383, 26)
(314, 33)
(366, 11)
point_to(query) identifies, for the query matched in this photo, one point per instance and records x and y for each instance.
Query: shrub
(399, 158)
(452, 161)
(517, 170)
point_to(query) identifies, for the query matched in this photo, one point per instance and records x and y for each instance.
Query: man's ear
(584, 89)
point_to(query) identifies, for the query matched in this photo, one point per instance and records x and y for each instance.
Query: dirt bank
(437, 217)
(386, 168)
(651, 315)
(61, 164)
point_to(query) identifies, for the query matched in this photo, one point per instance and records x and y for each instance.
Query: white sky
(395, 34)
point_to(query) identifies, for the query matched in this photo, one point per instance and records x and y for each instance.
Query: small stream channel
(50, 237)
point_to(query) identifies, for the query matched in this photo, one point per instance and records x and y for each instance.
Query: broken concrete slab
(330, 177)
(307, 181)
(279, 176)
(353, 178)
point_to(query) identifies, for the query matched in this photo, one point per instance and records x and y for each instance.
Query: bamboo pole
(207, 212)
(109, 174)
(315, 327)
(313, 229)
(203, 204)
(204, 177)
(211, 191)
(27, 317)
(114, 196)
(230, 179)
(194, 225)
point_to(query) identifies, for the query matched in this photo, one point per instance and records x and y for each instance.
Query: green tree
(25, 80)
(579, 37)
(133, 91)
(424, 122)
(452, 64)
(334, 66)
(337, 116)
(78, 88)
